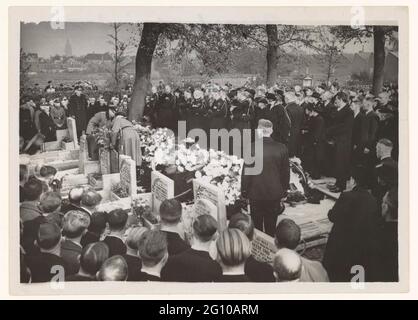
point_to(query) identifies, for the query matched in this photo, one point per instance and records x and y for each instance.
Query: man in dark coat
(47, 125)
(195, 264)
(340, 134)
(354, 238)
(280, 119)
(170, 219)
(165, 113)
(296, 115)
(77, 108)
(266, 189)
(359, 136)
(314, 133)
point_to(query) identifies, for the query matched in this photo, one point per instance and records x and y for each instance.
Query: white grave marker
(162, 188)
(211, 193)
(72, 131)
(128, 175)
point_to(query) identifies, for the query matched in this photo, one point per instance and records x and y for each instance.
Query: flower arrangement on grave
(66, 139)
(223, 171)
(120, 190)
(102, 137)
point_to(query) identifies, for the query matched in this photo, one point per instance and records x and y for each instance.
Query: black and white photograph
(219, 152)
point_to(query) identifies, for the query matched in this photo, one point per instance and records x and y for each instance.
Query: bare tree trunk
(379, 59)
(149, 39)
(272, 55)
(115, 26)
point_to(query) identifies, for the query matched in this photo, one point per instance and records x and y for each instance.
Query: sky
(89, 37)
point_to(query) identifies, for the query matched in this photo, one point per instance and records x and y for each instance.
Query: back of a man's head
(74, 196)
(134, 235)
(287, 265)
(170, 211)
(50, 201)
(117, 219)
(205, 227)
(90, 198)
(75, 223)
(47, 171)
(49, 236)
(152, 247)
(113, 269)
(244, 223)
(93, 256)
(33, 189)
(287, 234)
(98, 222)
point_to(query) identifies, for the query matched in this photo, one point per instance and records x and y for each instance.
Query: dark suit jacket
(297, 116)
(258, 271)
(71, 252)
(281, 123)
(354, 238)
(175, 244)
(116, 246)
(341, 129)
(134, 266)
(371, 124)
(359, 136)
(273, 181)
(43, 266)
(191, 266)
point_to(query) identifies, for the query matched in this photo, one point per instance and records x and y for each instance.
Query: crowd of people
(334, 131)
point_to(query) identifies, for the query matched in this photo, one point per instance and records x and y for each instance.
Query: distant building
(32, 58)
(98, 57)
(68, 50)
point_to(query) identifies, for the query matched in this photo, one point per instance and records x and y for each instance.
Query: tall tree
(119, 48)
(149, 39)
(380, 35)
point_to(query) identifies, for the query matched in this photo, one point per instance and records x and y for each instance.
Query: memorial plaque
(204, 190)
(128, 175)
(72, 131)
(204, 206)
(104, 159)
(162, 188)
(263, 247)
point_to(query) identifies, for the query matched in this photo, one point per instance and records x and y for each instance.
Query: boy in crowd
(195, 264)
(116, 220)
(74, 227)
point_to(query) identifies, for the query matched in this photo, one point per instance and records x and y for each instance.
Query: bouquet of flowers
(102, 137)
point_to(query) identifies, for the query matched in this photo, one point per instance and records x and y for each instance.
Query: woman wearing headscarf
(125, 138)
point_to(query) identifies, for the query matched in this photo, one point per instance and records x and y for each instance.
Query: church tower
(68, 50)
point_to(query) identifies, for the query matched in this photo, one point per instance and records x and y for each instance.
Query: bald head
(287, 265)
(113, 269)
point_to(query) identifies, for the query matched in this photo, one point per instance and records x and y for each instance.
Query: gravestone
(108, 181)
(114, 161)
(162, 188)
(128, 175)
(61, 134)
(213, 194)
(72, 131)
(204, 206)
(83, 153)
(263, 247)
(91, 167)
(104, 159)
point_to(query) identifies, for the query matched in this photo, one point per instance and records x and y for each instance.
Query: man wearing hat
(217, 111)
(58, 115)
(77, 108)
(296, 115)
(266, 189)
(314, 134)
(279, 117)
